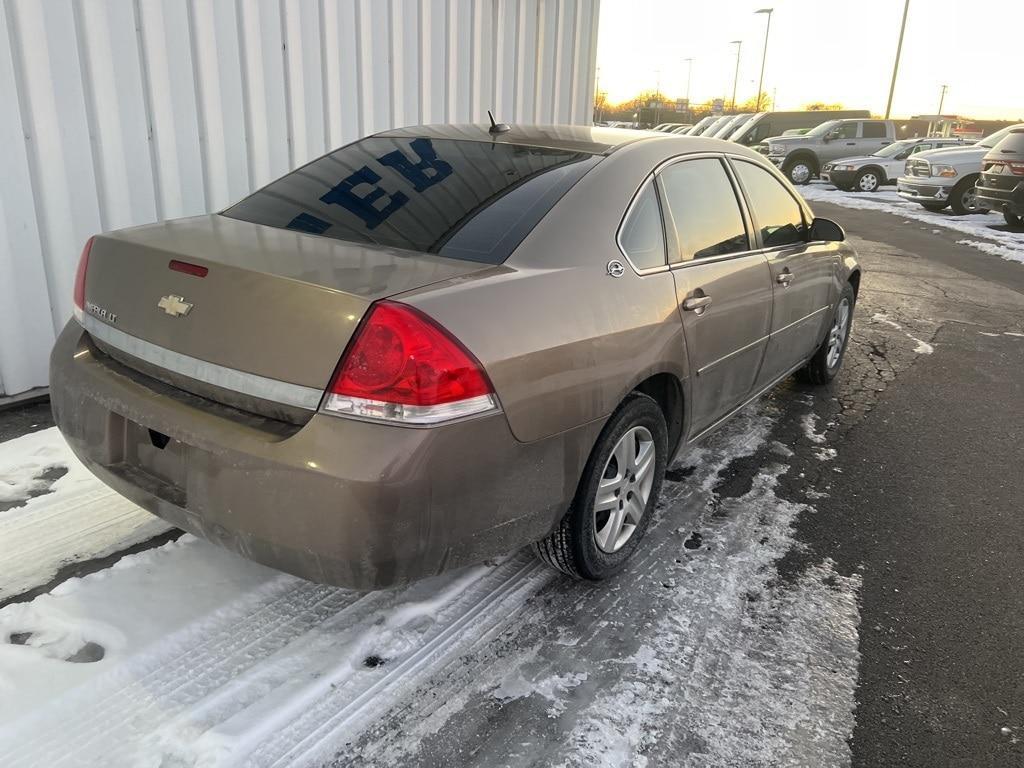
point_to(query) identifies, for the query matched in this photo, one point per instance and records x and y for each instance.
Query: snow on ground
(999, 240)
(187, 655)
(53, 512)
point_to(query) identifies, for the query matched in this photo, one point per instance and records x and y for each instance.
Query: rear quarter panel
(562, 341)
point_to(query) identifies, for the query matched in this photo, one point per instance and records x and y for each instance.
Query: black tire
(878, 176)
(818, 371)
(1013, 219)
(961, 191)
(791, 167)
(935, 207)
(572, 547)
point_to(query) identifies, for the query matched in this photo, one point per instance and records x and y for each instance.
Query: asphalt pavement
(925, 503)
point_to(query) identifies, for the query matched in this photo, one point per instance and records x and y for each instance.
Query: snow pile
(998, 240)
(52, 522)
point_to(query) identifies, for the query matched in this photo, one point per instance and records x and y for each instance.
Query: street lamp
(764, 55)
(736, 79)
(896, 64)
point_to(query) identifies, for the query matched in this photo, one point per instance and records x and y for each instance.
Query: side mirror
(827, 230)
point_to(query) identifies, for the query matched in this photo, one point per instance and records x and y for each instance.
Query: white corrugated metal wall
(123, 112)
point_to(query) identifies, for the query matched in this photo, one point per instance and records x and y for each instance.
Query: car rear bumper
(922, 193)
(338, 501)
(996, 199)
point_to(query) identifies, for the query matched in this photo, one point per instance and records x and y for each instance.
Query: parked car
(764, 125)
(1001, 186)
(668, 127)
(726, 129)
(682, 129)
(703, 124)
(801, 157)
(947, 177)
(400, 359)
(867, 174)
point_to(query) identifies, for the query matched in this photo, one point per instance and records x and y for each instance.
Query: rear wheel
(868, 181)
(1013, 219)
(964, 198)
(616, 495)
(824, 366)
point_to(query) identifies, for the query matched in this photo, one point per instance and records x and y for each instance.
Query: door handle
(697, 303)
(784, 277)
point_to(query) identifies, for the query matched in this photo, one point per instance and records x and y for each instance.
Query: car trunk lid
(259, 321)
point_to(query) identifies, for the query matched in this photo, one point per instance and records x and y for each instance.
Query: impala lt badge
(97, 311)
(175, 306)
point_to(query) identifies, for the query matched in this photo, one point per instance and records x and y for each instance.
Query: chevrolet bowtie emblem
(175, 306)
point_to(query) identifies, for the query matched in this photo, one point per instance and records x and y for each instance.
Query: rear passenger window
(642, 237)
(701, 204)
(874, 130)
(777, 214)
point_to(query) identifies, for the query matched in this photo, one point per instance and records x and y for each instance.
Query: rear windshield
(467, 200)
(1011, 144)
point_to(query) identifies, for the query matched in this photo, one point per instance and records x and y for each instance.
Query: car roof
(574, 138)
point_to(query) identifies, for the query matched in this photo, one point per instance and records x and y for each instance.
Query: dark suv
(1001, 185)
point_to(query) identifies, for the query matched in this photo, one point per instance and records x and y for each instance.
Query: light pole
(942, 99)
(896, 65)
(764, 55)
(689, 76)
(736, 79)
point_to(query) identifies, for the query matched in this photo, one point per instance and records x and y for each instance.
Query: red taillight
(403, 367)
(1017, 169)
(83, 267)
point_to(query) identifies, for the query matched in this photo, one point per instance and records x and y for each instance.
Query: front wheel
(869, 181)
(799, 171)
(964, 198)
(824, 366)
(616, 496)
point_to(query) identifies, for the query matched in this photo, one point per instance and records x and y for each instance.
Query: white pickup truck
(944, 177)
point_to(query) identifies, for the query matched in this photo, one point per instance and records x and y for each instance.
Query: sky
(820, 50)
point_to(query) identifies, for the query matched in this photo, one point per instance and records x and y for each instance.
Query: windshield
(894, 149)
(990, 141)
(466, 200)
(822, 129)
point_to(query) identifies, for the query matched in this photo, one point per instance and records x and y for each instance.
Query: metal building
(122, 112)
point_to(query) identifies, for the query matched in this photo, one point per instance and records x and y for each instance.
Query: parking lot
(829, 578)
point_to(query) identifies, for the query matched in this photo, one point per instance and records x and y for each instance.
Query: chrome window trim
(648, 179)
(250, 384)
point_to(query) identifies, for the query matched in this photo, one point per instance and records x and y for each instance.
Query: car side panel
(562, 340)
(726, 340)
(802, 305)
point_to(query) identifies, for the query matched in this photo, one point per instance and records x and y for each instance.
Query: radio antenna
(497, 128)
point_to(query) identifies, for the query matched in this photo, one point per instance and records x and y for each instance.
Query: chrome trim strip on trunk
(250, 384)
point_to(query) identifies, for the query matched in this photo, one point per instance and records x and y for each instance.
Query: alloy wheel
(969, 199)
(868, 182)
(837, 336)
(624, 489)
